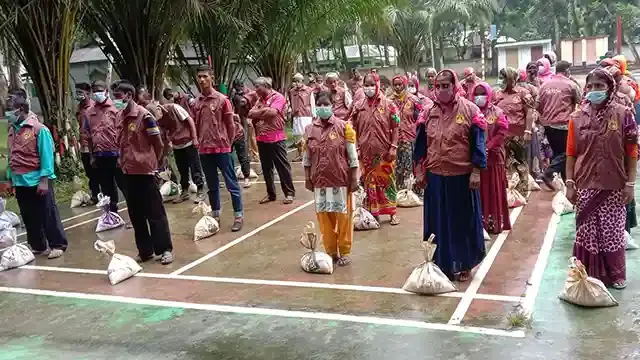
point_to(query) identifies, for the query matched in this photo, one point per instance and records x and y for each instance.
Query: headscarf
(457, 88)
(298, 77)
(523, 75)
(413, 79)
(611, 82)
(547, 74)
(376, 79)
(401, 78)
(621, 63)
(469, 71)
(552, 57)
(488, 90)
(608, 62)
(511, 74)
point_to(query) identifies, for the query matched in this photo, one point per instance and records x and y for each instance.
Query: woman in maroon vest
(331, 164)
(602, 153)
(450, 154)
(493, 180)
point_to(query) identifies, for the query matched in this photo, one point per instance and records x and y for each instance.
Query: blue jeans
(210, 165)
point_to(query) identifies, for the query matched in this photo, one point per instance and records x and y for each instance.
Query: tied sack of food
(532, 184)
(427, 278)
(193, 188)
(121, 267)
(80, 198)
(207, 225)
(630, 243)
(514, 198)
(169, 191)
(486, 236)
(108, 220)
(560, 204)
(15, 257)
(407, 198)
(240, 175)
(315, 262)
(8, 216)
(8, 235)
(362, 219)
(583, 290)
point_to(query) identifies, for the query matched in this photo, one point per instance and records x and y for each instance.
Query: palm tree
(41, 34)
(137, 36)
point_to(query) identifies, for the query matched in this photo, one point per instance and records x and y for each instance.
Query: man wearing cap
(301, 98)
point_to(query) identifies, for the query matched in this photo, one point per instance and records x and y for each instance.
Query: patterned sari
(380, 186)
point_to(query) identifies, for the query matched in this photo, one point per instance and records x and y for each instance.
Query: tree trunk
(386, 54)
(15, 78)
(441, 53)
(305, 62)
(556, 36)
(633, 48)
(343, 53)
(361, 52)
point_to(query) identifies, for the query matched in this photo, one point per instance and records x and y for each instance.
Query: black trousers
(188, 160)
(94, 183)
(109, 174)
(41, 218)
(558, 143)
(147, 214)
(275, 155)
(240, 147)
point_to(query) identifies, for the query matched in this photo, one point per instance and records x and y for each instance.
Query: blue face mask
(119, 104)
(12, 116)
(100, 96)
(324, 112)
(597, 97)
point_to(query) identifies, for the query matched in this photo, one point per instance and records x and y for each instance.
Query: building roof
(524, 43)
(87, 55)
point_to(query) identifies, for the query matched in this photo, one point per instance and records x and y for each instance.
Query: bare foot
(464, 276)
(343, 261)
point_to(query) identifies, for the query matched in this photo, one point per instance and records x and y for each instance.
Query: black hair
(324, 94)
(562, 66)
(167, 93)
(98, 83)
(237, 82)
(114, 85)
(83, 86)
(126, 88)
(206, 68)
(18, 92)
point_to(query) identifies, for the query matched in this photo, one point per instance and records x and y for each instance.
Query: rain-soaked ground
(243, 295)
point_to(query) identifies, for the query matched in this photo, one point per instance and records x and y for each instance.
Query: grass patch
(518, 319)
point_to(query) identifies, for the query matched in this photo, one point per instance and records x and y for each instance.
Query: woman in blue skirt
(449, 155)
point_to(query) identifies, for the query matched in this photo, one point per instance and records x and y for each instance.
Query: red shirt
(213, 116)
(270, 129)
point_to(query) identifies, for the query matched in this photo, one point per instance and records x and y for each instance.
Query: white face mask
(370, 91)
(541, 69)
(412, 90)
(481, 100)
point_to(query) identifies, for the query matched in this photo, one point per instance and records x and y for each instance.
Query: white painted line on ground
(485, 266)
(538, 270)
(77, 216)
(240, 239)
(269, 312)
(300, 284)
(278, 182)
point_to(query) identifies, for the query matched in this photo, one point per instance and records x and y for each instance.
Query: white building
(519, 53)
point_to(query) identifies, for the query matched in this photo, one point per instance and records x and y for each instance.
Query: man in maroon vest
(140, 149)
(100, 128)
(31, 172)
(184, 100)
(83, 97)
(216, 129)
(341, 97)
(302, 102)
(556, 102)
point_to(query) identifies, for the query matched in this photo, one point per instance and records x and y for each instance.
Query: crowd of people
(452, 142)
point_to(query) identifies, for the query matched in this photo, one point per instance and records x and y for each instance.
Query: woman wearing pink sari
(544, 70)
(493, 179)
(602, 153)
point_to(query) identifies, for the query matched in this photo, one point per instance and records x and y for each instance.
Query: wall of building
(584, 51)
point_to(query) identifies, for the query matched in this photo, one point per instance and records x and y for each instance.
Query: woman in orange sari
(376, 122)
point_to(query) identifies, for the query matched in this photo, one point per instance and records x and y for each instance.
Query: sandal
(288, 200)
(343, 261)
(619, 285)
(464, 276)
(266, 200)
(394, 220)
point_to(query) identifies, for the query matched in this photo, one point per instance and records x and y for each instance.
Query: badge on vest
(491, 120)
(459, 119)
(28, 135)
(612, 125)
(381, 109)
(407, 105)
(333, 135)
(132, 127)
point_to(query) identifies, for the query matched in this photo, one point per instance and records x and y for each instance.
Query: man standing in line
(216, 130)
(31, 172)
(141, 148)
(83, 96)
(556, 102)
(430, 90)
(243, 100)
(302, 102)
(184, 100)
(470, 82)
(268, 118)
(100, 126)
(340, 96)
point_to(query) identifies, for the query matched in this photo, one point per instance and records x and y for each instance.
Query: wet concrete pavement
(213, 309)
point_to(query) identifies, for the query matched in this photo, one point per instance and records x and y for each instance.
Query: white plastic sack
(169, 191)
(532, 184)
(630, 243)
(513, 181)
(120, 267)
(406, 197)
(8, 236)
(10, 217)
(558, 183)
(108, 220)
(164, 175)
(314, 261)
(581, 289)
(80, 198)
(240, 175)
(427, 278)
(515, 199)
(193, 188)
(486, 235)
(77, 183)
(15, 256)
(561, 205)
(362, 218)
(3, 203)
(207, 225)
